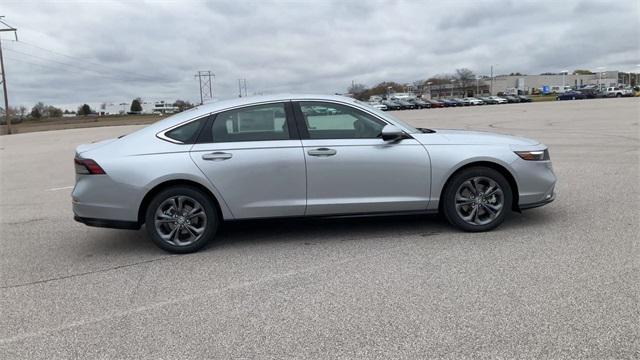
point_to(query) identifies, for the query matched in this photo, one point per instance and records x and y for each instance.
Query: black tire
(618, 95)
(210, 227)
(449, 198)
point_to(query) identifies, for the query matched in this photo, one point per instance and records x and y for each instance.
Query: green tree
(38, 110)
(53, 111)
(582, 72)
(136, 106)
(84, 110)
(35, 113)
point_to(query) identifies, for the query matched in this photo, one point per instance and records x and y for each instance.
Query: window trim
(294, 133)
(163, 134)
(302, 126)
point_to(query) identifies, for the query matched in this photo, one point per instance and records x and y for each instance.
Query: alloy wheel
(180, 220)
(479, 200)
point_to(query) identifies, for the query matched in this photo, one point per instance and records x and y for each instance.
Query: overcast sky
(117, 50)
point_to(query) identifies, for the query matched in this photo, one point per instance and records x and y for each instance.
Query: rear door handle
(217, 156)
(322, 152)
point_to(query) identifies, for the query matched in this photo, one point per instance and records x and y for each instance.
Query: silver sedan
(290, 156)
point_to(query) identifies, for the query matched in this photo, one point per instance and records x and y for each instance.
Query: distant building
(148, 107)
(162, 107)
(528, 84)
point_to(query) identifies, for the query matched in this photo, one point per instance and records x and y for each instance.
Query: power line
(62, 68)
(84, 60)
(75, 66)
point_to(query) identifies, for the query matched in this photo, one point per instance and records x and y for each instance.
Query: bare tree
(465, 76)
(356, 88)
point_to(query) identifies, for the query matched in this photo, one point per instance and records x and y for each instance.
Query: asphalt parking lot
(561, 281)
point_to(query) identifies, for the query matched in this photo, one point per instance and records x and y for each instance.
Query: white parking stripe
(60, 188)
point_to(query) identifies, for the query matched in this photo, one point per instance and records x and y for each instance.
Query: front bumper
(538, 204)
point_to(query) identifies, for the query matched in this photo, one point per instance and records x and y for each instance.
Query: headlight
(536, 155)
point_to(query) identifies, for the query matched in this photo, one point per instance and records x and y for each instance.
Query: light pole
(429, 86)
(477, 85)
(564, 74)
(491, 88)
(601, 68)
(452, 86)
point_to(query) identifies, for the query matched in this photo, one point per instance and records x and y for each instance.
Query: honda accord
(297, 155)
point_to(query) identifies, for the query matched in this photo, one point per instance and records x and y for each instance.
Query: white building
(148, 107)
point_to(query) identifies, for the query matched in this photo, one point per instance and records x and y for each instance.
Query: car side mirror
(392, 133)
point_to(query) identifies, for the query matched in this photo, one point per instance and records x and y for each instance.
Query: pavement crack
(25, 221)
(44, 281)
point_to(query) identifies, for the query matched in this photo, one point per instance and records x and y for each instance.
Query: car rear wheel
(181, 219)
(477, 199)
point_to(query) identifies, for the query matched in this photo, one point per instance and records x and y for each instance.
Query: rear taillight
(88, 167)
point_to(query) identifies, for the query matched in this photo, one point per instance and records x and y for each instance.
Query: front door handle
(217, 156)
(322, 152)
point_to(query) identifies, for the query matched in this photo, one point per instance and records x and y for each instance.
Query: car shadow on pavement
(310, 230)
(352, 227)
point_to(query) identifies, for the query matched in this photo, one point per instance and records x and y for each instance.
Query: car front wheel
(477, 199)
(181, 219)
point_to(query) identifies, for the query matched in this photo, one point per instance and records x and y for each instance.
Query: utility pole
(4, 75)
(491, 88)
(242, 87)
(206, 89)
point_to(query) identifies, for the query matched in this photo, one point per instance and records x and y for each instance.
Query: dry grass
(80, 122)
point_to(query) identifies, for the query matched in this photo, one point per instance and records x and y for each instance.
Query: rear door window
(253, 123)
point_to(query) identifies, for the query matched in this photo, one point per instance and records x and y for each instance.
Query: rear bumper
(106, 223)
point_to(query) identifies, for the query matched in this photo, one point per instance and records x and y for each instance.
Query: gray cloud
(124, 49)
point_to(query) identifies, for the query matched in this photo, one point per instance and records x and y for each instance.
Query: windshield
(385, 115)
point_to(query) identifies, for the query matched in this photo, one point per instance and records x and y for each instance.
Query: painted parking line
(60, 188)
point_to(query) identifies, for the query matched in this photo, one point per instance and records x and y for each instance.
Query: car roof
(217, 106)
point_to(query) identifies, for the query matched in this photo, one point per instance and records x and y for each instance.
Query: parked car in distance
(420, 104)
(561, 89)
(406, 105)
(571, 95)
(474, 101)
(524, 98)
(277, 156)
(464, 102)
(391, 105)
(619, 92)
(498, 99)
(436, 103)
(450, 102)
(488, 100)
(511, 99)
(379, 106)
(592, 92)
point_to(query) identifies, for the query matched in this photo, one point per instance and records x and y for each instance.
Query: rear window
(187, 132)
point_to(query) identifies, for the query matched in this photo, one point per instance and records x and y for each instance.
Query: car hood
(466, 137)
